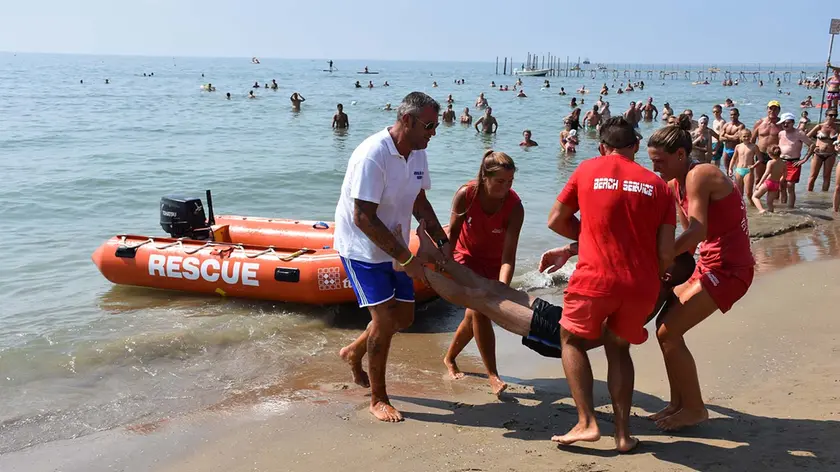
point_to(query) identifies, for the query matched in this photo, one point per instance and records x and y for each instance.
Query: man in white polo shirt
(386, 182)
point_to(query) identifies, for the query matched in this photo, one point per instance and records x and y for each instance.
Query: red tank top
(727, 243)
(483, 236)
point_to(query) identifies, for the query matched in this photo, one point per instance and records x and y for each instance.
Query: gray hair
(414, 102)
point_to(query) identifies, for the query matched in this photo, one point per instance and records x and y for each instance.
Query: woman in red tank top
(713, 216)
(486, 218)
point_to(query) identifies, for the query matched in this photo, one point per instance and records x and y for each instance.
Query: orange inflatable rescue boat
(238, 256)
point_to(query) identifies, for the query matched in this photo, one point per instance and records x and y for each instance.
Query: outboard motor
(183, 217)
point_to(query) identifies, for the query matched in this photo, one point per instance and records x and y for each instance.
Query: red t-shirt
(622, 205)
(482, 236)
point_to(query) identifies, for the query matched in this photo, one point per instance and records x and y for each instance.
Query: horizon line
(491, 61)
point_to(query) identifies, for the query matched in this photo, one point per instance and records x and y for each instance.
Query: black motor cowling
(184, 217)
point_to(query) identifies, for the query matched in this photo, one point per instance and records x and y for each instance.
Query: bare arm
(458, 215)
(698, 193)
(665, 247)
(335, 117)
(562, 220)
(754, 137)
(514, 227)
(366, 219)
(735, 159)
(423, 211)
(480, 120)
(495, 125)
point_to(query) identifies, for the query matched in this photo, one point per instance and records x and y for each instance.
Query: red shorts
(487, 269)
(584, 316)
(792, 173)
(725, 287)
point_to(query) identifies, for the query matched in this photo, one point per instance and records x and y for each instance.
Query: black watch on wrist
(442, 241)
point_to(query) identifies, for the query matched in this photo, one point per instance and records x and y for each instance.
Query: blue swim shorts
(376, 283)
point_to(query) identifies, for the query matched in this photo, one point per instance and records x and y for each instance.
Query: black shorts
(765, 158)
(544, 336)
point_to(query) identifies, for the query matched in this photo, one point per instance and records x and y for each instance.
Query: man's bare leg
(466, 277)
(353, 354)
(620, 379)
(579, 376)
(510, 315)
(381, 330)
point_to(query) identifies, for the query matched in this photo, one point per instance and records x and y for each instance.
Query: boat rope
(230, 246)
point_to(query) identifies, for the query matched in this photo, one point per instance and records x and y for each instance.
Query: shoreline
(279, 421)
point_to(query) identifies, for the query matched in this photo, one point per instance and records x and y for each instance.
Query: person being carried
(527, 141)
(486, 220)
(770, 182)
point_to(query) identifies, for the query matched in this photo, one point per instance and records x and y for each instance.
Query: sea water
(82, 160)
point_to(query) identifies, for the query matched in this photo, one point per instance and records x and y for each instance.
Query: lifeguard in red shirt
(626, 241)
(486, 220)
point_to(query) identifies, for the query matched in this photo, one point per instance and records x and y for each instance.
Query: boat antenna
(211, 220)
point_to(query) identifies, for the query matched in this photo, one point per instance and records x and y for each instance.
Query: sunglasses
(428, 126)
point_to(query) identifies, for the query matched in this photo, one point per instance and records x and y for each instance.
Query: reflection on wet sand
(800, 246)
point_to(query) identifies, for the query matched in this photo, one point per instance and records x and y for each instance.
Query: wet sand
(769, 370)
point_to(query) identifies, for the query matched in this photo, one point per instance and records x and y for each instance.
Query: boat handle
(321, 225)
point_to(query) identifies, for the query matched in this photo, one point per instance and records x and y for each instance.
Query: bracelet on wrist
(408, 261)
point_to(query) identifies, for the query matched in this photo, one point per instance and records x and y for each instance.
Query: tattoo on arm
(366, 219)
(423, 211)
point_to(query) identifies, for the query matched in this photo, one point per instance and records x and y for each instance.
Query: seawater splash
(535, 280)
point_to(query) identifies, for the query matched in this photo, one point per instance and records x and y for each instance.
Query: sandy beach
(769, 370)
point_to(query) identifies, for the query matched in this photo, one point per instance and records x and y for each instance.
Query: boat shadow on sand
(729, 440)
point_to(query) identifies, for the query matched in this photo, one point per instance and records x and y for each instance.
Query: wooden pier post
(504, 70)
(497, 65)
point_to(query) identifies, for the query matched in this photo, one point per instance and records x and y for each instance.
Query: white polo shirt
(377, 173)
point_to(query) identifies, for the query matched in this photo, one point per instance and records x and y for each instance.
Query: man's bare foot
(497, 385)
(383, 411)
(360, 377)
(581, 432)
(625, 444)
(683, 419)
(664, 413)
(427, 249)
(454, 372)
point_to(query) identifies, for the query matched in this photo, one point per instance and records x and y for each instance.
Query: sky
(610, 31)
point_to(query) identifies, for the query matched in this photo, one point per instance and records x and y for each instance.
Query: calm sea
(81, 162)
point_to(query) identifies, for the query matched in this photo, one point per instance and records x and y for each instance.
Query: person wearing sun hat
(765, 133)
(791, 141)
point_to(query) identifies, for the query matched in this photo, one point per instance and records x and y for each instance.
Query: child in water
(770, 182)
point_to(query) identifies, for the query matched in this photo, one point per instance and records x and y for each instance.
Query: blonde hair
(491, 162)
